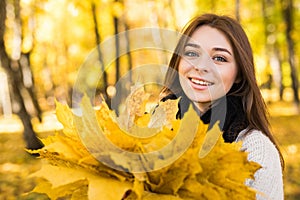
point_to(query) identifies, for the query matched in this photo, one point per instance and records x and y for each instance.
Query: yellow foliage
(149, 156)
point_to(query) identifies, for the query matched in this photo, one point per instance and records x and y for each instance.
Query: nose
(201, 69)
(203, 64)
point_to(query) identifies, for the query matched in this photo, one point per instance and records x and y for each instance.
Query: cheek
(183, 67)
(228, 78)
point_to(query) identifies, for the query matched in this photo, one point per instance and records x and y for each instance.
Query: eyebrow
(222, 49)
(214, 49)
(192, 45)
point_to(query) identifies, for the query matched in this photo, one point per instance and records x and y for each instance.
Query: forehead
(207, 36)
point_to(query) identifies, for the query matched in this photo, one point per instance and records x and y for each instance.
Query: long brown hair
(253, 103)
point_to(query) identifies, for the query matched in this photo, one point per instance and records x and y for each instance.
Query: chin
(199, 99)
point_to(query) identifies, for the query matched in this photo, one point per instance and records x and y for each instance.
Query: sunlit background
(45, 42)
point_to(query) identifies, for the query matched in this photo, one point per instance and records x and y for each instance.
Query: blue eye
(191, 54)
(219, 59)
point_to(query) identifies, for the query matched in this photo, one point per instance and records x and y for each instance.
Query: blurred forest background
(43, 44)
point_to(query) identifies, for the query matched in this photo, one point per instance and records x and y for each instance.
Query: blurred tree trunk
(267, 7)
(117, 43)
(24, 64)
(266, 4)
(98, 41)
(128, 53)
(279, 57)
(271, 44)
(16, 80)
(287, 9)
(237, 10)
(117, 55)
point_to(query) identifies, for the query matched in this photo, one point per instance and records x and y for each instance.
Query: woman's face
(207, 68)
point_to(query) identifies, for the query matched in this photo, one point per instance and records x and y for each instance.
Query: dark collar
(228, 111)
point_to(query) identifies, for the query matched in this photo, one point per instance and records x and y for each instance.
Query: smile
(200, 82)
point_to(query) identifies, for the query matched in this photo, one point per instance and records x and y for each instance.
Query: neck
(204, 107)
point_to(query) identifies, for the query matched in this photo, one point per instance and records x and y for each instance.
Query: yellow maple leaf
(164, 114)
(168, 159)
(65, 117)
(75, 190)
(134, 107)
(67, 177)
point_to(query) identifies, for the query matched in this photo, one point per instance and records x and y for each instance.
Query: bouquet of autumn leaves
(140, 155)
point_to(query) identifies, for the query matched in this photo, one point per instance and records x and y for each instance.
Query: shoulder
(259, 147)
(268, 180)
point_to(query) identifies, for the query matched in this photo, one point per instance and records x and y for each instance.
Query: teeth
(201, 82)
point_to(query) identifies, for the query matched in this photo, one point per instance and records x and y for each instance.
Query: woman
(225, 89)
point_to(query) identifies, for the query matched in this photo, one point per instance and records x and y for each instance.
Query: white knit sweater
(268, 180)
